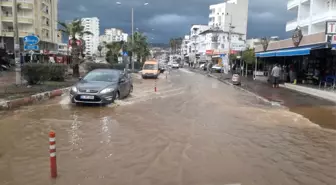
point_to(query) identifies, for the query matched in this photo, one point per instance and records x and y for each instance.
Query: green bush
(57, 72)
(36, 73)
(92, 65)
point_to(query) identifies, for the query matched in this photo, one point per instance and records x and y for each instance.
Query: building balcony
(46, 26)
(291, 25)
(10, 33)
(25, 4)
(323, 17)
(24, 20)
(292, 4)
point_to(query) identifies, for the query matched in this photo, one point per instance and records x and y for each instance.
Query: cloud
(82, 8)
(173, 18)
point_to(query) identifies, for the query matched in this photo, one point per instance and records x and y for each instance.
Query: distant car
(102, 86)
(217, 68)
(175, 65)
(150, 69)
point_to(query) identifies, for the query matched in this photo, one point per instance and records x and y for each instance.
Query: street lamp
(132, 25)
(230, 32)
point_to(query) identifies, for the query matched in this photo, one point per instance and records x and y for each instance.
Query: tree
(175, 44)
(113, 51)
(248, 56)
(139, 47)
(75, 31)
(100, 48)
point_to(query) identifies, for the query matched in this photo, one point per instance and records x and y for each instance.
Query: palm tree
(139, 47)
(73, 30)
(113, 51)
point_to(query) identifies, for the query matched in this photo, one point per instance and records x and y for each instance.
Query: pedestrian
(275, 74)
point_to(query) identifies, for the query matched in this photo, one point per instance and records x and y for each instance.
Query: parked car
(175, 65)
(217, 68)
(102, 86)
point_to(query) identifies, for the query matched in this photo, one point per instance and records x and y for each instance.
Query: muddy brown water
(193, 131)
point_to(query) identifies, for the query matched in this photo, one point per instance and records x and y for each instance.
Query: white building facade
(91, 41)
(111, 35)
(38, 17)
(232, 12)
(312, 15)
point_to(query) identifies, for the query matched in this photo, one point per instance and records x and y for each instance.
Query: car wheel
(116, 97)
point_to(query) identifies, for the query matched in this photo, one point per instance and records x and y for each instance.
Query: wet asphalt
(194, 130)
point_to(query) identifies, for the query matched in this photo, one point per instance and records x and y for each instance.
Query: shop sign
(297, 36)
(209, 52)
(331, 28)
(238, 46)
(264, 42)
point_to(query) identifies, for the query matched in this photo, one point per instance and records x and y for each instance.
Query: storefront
(303, 59)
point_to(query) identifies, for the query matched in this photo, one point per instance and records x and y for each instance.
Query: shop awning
(266, 54)
(290, 52)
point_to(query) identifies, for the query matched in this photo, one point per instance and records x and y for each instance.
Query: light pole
(229, 39)
(16, 44)
(132, 26)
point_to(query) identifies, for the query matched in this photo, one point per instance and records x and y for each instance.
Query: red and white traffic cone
(52, 151)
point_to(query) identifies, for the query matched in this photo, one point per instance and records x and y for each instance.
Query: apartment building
(231, 12)
(38, 17)
(311, 15)
(91, 41)
(185, 46)
(112, 35)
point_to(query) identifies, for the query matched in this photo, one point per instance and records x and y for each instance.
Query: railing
(292, 3)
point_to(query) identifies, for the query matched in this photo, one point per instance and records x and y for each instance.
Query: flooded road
(193, 131)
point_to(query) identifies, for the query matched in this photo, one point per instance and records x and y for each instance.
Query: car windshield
(150, 66)
(102, 76)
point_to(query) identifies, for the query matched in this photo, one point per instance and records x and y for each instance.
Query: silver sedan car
(102, 86)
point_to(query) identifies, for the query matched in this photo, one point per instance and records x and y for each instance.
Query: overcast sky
(164, 19)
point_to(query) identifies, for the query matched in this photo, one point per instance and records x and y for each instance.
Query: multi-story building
(91, 41)
(185, 46)
(311, 15)
(230, 13)
(38, 17)
(112, 35)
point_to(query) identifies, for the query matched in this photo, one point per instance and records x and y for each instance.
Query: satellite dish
(118, 3)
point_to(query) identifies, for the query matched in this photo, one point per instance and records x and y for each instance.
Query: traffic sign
(31, 40)
(31, 47)
(125, 53)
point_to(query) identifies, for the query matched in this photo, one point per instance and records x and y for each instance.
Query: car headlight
(107, 90)
(74, 89)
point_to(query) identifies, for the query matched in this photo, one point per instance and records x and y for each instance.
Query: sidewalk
(319, 111)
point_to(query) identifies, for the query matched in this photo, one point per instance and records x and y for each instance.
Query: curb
(16, 103)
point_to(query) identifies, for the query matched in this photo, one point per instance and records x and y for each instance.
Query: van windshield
(150, 67)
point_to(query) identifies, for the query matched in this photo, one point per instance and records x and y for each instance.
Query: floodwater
(193, 131)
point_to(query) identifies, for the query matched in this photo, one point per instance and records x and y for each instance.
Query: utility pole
(230, 32)
(132, 39)
(16, 44)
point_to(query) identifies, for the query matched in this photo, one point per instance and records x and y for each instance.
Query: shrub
(35, 73)
(57, 72)
(92, 65)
